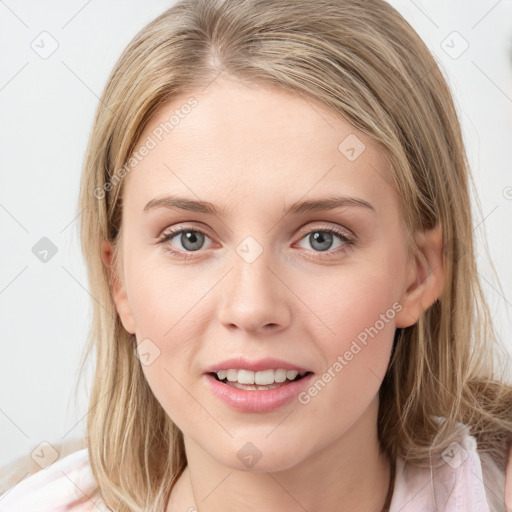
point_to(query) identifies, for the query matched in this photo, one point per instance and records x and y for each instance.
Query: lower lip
(255, 400)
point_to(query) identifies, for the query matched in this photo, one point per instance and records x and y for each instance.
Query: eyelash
(169, 235)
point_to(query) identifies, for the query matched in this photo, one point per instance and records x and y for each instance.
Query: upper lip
(255, 365)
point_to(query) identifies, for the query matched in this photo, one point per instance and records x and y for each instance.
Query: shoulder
(464, 481)
(64, 486)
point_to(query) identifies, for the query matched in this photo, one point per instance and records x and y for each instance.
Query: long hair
(366, 63)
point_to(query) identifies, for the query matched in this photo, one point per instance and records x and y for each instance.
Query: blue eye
(192, 240)
(323, 238)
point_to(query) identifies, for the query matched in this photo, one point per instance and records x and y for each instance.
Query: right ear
(117, 288)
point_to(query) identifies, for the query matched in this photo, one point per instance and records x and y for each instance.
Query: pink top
(456, 486)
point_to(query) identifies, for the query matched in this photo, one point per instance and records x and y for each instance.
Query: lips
(255, 365)
(258, 401)
(257, 398)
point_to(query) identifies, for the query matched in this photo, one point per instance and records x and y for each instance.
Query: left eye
(321, 239)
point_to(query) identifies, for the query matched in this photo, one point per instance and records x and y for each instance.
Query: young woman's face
(264, 277)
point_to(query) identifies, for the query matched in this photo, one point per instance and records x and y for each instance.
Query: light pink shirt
(456, 486)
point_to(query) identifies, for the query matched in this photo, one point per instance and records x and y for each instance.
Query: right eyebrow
(183, 203)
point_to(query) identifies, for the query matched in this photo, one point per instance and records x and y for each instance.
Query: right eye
(191, 241)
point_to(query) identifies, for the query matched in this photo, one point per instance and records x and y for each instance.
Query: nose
(254, 297)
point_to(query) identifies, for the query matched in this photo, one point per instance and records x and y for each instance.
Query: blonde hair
(365, 62)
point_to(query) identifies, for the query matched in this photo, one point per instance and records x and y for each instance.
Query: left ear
(425, 277)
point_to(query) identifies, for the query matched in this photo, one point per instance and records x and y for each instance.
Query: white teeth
(232, 375)
(262, 378)
(291, 374)
(246, 377)
(280, 375)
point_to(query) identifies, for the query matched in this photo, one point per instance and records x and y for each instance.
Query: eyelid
(184, 226)
(307, 229)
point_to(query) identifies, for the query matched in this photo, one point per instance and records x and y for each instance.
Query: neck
(349, 474)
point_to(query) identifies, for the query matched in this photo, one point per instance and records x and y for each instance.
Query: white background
(47, 108)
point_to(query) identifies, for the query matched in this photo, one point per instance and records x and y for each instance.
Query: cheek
(354, 332)
(165, 308)
(344, 304)
(164, 297)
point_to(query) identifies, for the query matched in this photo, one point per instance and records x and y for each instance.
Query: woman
(277, 226)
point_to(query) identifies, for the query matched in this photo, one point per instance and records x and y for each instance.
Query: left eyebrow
(331, 203)
(299, 207)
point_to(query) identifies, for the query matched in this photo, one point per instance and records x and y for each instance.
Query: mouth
(257, 397)
(233, 381)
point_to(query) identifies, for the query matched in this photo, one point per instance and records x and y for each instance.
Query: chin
(252, 457)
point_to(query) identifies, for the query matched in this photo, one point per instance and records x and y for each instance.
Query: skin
(256, 150)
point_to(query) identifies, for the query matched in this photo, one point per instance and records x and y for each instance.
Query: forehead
(248, 142)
